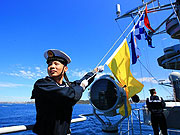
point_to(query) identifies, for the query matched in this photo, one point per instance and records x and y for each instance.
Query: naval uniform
(54, 104)
(155, 105)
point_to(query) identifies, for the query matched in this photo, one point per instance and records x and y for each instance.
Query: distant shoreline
(33, 102)
(79, 102)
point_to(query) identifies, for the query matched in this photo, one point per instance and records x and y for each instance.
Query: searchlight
(106, 95)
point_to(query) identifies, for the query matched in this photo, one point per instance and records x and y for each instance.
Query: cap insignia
(50, 54)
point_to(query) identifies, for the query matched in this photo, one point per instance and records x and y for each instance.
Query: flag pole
(135, 24)
(116, 42)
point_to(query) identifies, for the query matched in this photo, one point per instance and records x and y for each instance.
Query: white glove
(84, 84)
(100, 69)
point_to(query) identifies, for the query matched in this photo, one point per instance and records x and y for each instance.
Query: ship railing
(82, 117)
(20, 128)
(130, 122)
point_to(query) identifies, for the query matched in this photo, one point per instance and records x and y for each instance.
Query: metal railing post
(132, 124)
(139, 121)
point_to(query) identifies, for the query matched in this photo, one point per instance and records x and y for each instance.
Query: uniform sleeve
(90, 76)
(163, 103)
(148, 105)
(50, 90)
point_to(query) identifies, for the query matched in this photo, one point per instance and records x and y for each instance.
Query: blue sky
(84, 29)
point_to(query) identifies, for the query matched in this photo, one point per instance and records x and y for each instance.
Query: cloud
(135, 73)
(13, 99)
(38, 72)
(103, 73)
(34, 73)
(77, 73)
(10, 85)
(147, 79)
(28, 72)
(152, 80)
(164, 38)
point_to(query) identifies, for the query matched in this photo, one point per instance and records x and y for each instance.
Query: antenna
(118, 10)
(143, 1)
(158, 4)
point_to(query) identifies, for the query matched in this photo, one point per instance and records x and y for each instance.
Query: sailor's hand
(100, 68)
(95, 70)
(84, 84)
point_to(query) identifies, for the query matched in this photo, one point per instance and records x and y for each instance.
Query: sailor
(55, 98)
(155, 105)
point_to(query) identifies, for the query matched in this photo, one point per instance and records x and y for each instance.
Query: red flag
(146, 21)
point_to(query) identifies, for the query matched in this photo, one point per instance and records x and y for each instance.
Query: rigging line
(147, 62)
(119, 39)
(136, 22)
(119, 28)
(114, 44)
(148, 71)
(142, 81)
(153, 4)
(175, 11)
(167, 91)
(133, 19)
(155, 78)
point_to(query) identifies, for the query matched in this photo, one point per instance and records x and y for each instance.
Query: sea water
(25, 114)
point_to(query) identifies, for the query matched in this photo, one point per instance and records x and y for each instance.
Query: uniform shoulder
(157, 97)
(43, 80)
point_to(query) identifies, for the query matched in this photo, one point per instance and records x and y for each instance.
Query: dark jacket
(54, 104)
(155, 104)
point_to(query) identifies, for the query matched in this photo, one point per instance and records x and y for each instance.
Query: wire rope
(154, 77)
(118, 40)
(126, 37)
(142, 81)
(147, 70)
(175, 11)
(119, 28)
